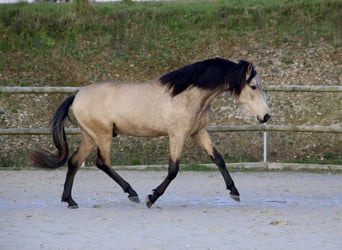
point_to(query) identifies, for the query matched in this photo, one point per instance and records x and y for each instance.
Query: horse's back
(130, 108)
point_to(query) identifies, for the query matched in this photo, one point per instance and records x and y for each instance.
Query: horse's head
(252, 95)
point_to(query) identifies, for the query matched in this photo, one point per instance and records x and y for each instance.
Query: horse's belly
(136, 129)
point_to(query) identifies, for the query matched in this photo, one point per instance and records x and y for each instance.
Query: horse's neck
(202, 98)
(209, 96)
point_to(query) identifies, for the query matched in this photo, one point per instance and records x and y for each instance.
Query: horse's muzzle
(264, 119)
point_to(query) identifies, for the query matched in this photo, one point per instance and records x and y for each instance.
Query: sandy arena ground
(278, 210)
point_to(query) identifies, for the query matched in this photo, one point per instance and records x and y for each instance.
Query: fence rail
(270, 88)
(37, 90)
(217, 128)
(303, 88)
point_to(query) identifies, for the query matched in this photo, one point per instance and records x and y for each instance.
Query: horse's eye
(253, 87)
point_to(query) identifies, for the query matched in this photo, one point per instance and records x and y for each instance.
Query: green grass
(72, 44)
(13, 164)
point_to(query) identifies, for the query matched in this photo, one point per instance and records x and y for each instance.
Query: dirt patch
(277, 211)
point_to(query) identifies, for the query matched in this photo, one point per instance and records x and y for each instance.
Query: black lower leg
(69, 180)
(132, 195)
(218, 160)
(159, 191)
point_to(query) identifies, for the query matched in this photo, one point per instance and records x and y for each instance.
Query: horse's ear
(249, 70)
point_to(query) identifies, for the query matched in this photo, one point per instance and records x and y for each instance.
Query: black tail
(46, 159)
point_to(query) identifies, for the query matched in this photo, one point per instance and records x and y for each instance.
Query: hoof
(73, 206)
(235, 197)
(234, 194)
(71, 203)
(149, 203)
(134, 199)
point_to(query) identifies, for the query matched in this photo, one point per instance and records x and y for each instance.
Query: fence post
(265, 135)
(265, 146)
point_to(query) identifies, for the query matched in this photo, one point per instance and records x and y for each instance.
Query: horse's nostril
(267, 117)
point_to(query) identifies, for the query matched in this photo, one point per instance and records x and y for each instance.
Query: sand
(278, 210)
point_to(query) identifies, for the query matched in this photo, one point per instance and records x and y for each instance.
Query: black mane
(209, 74)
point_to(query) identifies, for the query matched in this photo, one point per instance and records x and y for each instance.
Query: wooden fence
(269, 88)
(219, 128)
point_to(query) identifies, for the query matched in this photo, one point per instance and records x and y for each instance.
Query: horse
(177, 106)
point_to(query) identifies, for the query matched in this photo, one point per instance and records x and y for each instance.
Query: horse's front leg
(203, 139)
(219, 161)
(176, 146)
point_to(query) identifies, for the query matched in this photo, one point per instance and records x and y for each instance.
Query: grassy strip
(73, 44)
(233, 167)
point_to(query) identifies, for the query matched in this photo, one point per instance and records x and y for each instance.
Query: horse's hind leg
(74, 164)
(103, 163)
(203, 139)
(176, 146)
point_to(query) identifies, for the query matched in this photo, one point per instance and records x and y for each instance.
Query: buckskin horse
(177, 105)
